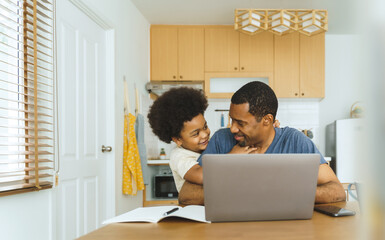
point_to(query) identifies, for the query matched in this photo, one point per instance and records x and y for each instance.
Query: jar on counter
(162, 154)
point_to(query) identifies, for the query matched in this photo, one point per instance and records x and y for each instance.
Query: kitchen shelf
(158, 162)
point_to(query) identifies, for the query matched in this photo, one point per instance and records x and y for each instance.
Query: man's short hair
(176, 106)
(260, 97)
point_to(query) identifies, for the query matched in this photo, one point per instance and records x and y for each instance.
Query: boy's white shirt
(181, 160)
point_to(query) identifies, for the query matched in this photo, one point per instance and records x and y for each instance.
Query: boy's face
(194, 135)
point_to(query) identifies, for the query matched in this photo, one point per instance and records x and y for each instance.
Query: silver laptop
(252, 187)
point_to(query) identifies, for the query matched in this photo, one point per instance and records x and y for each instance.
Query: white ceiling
(205, 12)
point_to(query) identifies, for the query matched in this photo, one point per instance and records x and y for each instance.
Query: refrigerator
(345, 144)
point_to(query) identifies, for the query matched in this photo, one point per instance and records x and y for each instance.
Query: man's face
(247, 131)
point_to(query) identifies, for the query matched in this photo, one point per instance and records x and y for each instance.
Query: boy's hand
(276, 123)
(242, 150)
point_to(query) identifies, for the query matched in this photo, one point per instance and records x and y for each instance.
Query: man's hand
(329, 188)
(191, 194)
(242, 150)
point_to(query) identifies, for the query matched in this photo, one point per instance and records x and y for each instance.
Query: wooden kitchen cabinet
(227, 50)
(221, 49)
(312, 66)
(177, 53)
(256, 53)
(286, 65)
(299, 66)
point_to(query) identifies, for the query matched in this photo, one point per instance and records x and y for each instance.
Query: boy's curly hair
(169, 112)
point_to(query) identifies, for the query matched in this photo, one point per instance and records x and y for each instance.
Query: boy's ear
(178, 141)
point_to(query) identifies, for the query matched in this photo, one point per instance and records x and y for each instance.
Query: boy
(177, 116)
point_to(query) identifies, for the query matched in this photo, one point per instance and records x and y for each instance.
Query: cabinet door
(164, 53)
(286, 65)
(256, 52)
(221, 49)
(312, 66)
(191, 53)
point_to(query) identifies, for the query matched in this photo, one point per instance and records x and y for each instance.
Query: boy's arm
(191, 194)
(194, 175)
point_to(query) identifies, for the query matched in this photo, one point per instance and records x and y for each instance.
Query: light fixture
(311, 22)
(250, 21)
(280, 21)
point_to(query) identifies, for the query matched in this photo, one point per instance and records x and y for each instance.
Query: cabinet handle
(235, 68)
(242, 68)
(180, 77)
(303, 94)
(296, 94)
(173, 77)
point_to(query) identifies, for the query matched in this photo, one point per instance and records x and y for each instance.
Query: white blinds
(26, 95)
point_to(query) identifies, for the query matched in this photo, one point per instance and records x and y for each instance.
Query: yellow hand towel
(132, 169)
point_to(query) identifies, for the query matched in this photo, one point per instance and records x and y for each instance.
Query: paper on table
(155, 214)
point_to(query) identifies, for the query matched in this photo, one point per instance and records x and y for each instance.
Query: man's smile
(238, 137)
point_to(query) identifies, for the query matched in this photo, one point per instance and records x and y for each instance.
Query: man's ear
(178, 141)
(268, 119)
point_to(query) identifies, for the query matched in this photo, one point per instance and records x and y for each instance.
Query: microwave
(164, 186)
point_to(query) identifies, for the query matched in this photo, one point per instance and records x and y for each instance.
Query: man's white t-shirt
(181, 160)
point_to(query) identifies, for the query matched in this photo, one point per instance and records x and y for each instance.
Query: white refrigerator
(345, 143)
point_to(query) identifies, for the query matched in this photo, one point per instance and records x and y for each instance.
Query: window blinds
(26, 95)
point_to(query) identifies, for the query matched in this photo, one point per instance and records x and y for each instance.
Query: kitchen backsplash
(296, 113)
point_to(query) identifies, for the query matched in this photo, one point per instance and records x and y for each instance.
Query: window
(27, 90)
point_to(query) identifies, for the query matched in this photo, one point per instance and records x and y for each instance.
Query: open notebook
(156, 214)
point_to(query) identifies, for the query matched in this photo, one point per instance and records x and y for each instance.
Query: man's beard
(242, 144)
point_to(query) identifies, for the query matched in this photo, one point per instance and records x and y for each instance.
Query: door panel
(221, 49)
(286, 65)
(256, 52)
(312, 66)
(191, 53)
(164, 53)
(81, 122)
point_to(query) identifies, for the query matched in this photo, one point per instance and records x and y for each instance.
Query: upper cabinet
(299, 66)
(312, 66)
(286, 65)
(227, 50)
(221, 49)
(294, 63)
(177, 53)
(256, 52)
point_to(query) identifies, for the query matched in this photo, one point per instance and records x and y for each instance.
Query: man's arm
(329, 188)
(191, 194)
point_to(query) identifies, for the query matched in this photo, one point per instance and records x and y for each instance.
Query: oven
(164, 186)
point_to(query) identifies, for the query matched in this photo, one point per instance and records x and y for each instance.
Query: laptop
(256, 187)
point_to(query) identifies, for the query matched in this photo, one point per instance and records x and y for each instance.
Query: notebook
(156, 214)
(252, 187)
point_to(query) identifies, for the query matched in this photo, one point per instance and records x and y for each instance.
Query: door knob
(106, 148)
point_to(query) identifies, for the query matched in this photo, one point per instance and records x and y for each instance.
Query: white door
(81, 194)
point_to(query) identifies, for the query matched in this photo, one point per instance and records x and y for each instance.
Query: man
(253, 109)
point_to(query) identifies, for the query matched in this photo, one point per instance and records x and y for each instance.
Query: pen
(171, 211)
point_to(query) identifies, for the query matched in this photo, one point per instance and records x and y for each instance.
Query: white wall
(27, 216)
(132, 32)
(343, 86)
